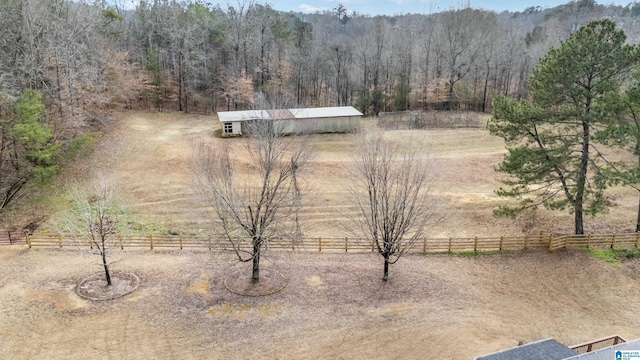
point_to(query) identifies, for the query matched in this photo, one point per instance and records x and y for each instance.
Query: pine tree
(553, 158)
(27, 147)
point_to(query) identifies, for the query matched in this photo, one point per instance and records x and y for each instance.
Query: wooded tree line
(196, 57)
(84, 59)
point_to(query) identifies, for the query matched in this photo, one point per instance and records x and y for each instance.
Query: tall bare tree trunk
(257, 245)
(106, 267)
(385, 277)
(638, 220)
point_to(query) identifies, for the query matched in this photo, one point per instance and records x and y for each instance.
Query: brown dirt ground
(335, 305)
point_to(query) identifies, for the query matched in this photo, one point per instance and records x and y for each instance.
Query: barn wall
(337, 124)
(312, 125)
(284, 126)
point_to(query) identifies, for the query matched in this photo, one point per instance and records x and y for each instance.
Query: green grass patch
(609, 255)
(40, 186)
(631, 254)
(80, 145)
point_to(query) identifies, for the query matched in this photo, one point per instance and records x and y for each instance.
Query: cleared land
(148, 156)
(335, 305)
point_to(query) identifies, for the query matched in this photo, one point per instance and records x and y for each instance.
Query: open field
(148, 156)
(335, 305)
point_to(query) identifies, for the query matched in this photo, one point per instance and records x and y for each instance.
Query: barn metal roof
(226, 116)
(279, 114)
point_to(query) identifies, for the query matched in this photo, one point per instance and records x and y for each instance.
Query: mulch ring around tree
(238, 281)
(95, 287)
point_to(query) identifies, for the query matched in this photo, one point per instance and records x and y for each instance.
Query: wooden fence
(345, 244)
(598, 241)
(598, 344)
(12, 237)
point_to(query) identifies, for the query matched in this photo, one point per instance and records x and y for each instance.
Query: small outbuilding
(294, 121)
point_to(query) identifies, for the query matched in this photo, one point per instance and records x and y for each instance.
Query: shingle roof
(548, 349)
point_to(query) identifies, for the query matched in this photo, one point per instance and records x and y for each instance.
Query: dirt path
(335, 306)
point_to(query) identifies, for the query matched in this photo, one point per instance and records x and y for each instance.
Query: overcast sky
(388, 7)
(391, 7)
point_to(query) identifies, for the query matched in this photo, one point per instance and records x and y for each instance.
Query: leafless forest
(90, 57)
(66, 66)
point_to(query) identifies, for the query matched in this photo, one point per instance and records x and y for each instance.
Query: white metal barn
(292, 121)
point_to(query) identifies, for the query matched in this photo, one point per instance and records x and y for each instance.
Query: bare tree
(266, 205)
(391, 189)
(96, 219)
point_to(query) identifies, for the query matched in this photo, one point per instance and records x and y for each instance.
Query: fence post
(120, 240)
(180, 242)
(151, 241)
(346, 244)
(59, 240)
(26, 236)
(526, 242)
(589, 241)
(9, 235)
(319, 244)
(551, 242)
(613, 241)
(501, 240)
(424, 245)
(293, 244)
(449, 243)
(541, 236)
(637, 238)
(475, 244)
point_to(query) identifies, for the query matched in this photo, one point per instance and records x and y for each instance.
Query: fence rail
(12, 237)
(598, 344)
(344, 244)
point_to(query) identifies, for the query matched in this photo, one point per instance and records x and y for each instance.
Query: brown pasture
(335, 305)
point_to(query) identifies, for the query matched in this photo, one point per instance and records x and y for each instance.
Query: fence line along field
(343, 244)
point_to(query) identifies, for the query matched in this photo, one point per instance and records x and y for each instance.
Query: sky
(392, 7)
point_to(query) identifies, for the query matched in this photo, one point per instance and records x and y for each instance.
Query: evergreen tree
(552, 155)
(626, 135)
(27, 149)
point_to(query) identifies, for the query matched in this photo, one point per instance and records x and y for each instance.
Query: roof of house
(279, 114)
(607, 353)
(547, 349)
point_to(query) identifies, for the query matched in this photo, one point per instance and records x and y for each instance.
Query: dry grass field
(335, 305)
(148, 156)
